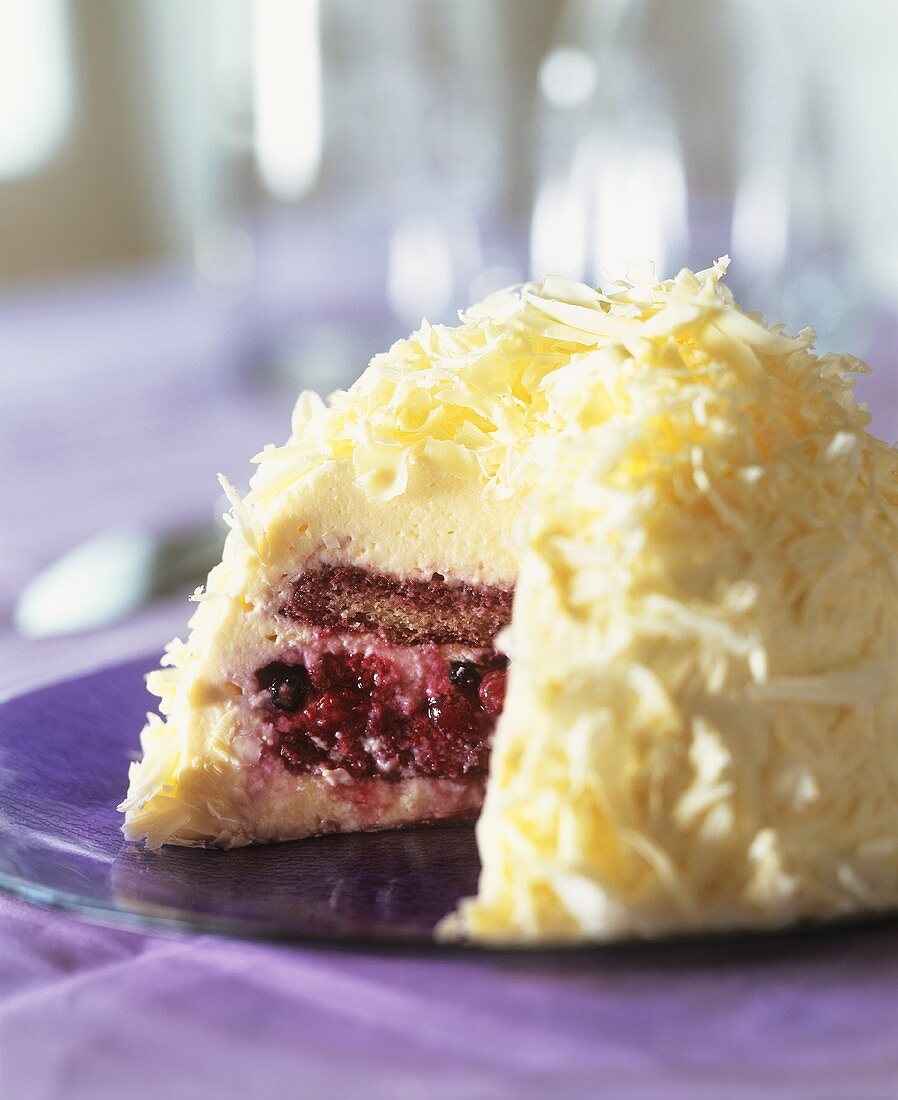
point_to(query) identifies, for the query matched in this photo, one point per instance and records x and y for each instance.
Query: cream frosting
(700, 724)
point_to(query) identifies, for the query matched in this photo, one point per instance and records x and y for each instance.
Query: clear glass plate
(64, 754)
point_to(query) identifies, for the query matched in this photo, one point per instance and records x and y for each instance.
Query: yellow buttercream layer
(440, 524)
(701, 727)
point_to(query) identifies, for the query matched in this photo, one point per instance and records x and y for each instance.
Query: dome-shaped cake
(674, 523)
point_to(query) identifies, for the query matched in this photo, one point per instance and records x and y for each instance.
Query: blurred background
(406, 157)
(208, 204)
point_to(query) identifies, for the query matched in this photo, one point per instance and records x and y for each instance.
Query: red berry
(451, 714)
(492, 692)
(362, 714)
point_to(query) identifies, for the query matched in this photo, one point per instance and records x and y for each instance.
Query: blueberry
(288, 685)
(464, 674)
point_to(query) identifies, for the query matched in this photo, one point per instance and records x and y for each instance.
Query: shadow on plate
(383, 886)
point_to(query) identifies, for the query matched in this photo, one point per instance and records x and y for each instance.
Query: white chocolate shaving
(701, 727)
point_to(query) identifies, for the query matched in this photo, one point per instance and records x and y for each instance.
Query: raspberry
(492, 692)
(451, 714)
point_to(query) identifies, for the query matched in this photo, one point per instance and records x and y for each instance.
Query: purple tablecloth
(88, 1012)
(119, 404)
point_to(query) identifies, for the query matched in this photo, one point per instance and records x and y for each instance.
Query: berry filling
(388, 711)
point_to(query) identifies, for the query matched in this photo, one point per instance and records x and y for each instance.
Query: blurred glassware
(365, 173)
(611, 183)
(814, 223)
(679, 132)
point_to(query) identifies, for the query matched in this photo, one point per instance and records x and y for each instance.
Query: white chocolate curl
(701, 727)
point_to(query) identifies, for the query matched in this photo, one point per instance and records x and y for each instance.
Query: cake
(673, 521)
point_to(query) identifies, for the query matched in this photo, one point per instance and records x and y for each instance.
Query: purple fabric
(113, 410)
(89, 1012)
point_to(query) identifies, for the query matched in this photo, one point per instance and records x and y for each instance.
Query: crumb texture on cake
(701, 727)
(405, 610)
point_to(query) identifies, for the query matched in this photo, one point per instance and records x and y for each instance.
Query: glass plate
(64, 754)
